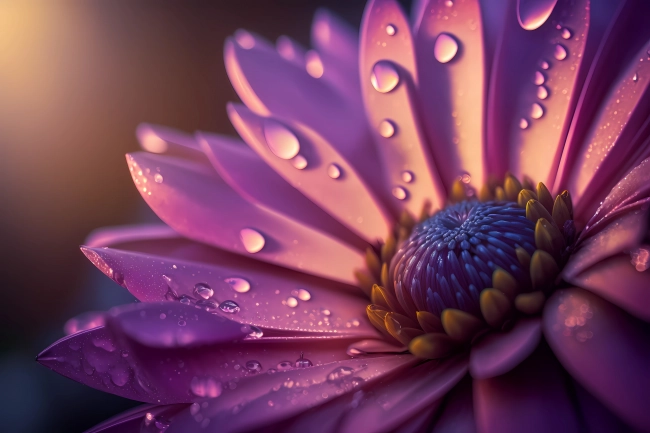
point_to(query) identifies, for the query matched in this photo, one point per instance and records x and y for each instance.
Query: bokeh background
(76, 77)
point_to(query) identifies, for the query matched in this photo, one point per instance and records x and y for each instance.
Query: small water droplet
(253, 366)
(206, 304)
(299, 162)
(301, 294)
(182, 322)
(285, 365)
(158, 178)
(325, 311)
(399, 193)
(449, 3)
(252, 239)
(407, 176)
(386, 128)
(194, 408)
(282, 142)
(544, 64)
(292, 302)
(302, 362)
(445, 48)
(635, 78)
(339, 374)
(566, 33)
(542, 92)
(523, 123)
(560, 52)
(230, 307)
(536, 111)
(186, 300)
(205, 387)
(255, 332)
(391, 30)
(244, 39)
(163, 316)
(532, 14)
(334, 171)
(154, 424)
(314, 64)
(203, 290)
(239, 285)
(539, 78)
(384, 77)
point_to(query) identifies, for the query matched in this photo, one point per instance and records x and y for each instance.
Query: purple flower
(401, 163)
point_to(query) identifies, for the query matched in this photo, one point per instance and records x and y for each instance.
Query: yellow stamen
(544, 197)
(459, 325)
(388, 248)
(384, 275)
(457, 192)
(505, 282)
(500, 194)
(373, 263)
(566, 197)
(495, 307)
(485, 194)
(523, 257)
(403, 334)
(428, 322)
(432, 346)
(524, 196)
(365, 281)
(535, 211)
(382, 297)
(543, 269)
(512, 186)
(561, 212)
(530, 303)
(548, 237)
(376, 315)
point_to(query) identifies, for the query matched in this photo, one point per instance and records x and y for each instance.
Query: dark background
(76, 77)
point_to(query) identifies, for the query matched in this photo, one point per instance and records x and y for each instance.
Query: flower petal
(617, 280)
(453, 93)
(342, 193)
(162, 139)
(190, 198)
(597, 418)
(530, 106)
(132, 420)
(261, 292)
(604, 349)
(457, 413)
(392, 110)
(262, 400)
(374, 346)
(84, 321)
(500, 352)
(511, 403)
(110, 236)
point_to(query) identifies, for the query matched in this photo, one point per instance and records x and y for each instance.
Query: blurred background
(76, 77)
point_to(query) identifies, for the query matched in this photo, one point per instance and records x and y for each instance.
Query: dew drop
(391, 30)
(325, 311)
(334, 171)
(302, 362)
(449, 3)
(399, 193)
(560, 52)
(533, 13)
(536, 111)
(230, 307)
(255, 332)
(182, 322)
(244, 39)
(384, 77)
(386, 128)
(282, 142)
(239, 285)
(523, 123)
(544, 64)
(162, 316)
(339, 374)
(301, 294)
(539, 78)
(253, 367)
(205, 387)
(407, 176)
(252, 239)
(158, 178)
(314, 64)
(284, 365)
(566, 33)
(206, 304)
(299, 162)
(445, 48)
(194, 408)
(292, 302)
(203, 290)
(542, 92)
(186, 300)
(635, 78)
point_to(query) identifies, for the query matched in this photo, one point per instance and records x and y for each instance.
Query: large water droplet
(523, 123)
(560, 52)
(314, 64)
(544, 64)
(536, 111)
(339, 374)
(635, 78)
(186, 300)
(255, 332)
(542, 92)
(291, 302)
(386, 128)
(203, 290)
(154, 424)
(239, 285)
(539, 78)
(533, 13)
(445, 48)
(399, 193)
(252, 239)
(407, 176)
(282, 142)
(566, 33)
(384, 77)
(230, 307)
(301, 294)
(206, 304)
(205, 387)
(334, 171)
(300, 162)
(285, 365)
(391, 30)
(253, 366)
(302, 362)
(158, 178)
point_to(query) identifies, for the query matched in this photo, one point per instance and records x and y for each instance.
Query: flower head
(430, 227)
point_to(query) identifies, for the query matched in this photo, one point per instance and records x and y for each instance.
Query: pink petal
(513, 402)
(500, 352)
(395, 401)
(419, 422)
(620, 233)
(192, 200)
(261, 291)
(617, 280)
(604, 349)
(596, 417)
(457, 414)
(374, 346)
(84, 321)
(162, 139)
(531, 129)
(262, 400)
(408, 166)
(109, 360)
(111, 236)
(453, 93)
(133, 419)
(344, 194)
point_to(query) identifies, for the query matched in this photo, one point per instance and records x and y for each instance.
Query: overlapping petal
(132, 420)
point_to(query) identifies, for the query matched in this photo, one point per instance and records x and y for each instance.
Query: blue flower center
(449, 258)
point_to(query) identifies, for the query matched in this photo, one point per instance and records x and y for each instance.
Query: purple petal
(260, 401)
(500, 352)
(455, 124)
(109, 360)
(162, 139)
(419, 422)
(596, 417)
(267, 296)
(530, 105)
(133, 419)
(512, 403)
(84, 321)
(604, 349)
(392, 110)
(111, 236)
(191, 197)
(374, 346)
(617, 280)
(343, 193)
(457, 414)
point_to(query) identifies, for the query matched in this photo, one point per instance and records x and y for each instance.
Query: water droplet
(325, 311)
(162, 316)
(239, 285)
(635, 78)
(230, 307)
(206, 305)
(194, 408)
(449, 3)
(253, 366)
(302, 362)
(544, 64)
(536, 111)
(314, 64)
(186, 300)
(244, 39)
(154, 424)
(285, 365)
(445, 48)
(301, 294)
(391, 30)
(523, 123)
(158, 178)
(299, 162)
(205, 387)
(407, 176)
(282, 142)
(339, 374)
(252, 239)
(560, 52)
(182, 322)
(539, 78)
(203, 290)
(292, 302)
(542, 92)
(533, 13)
(384, 77)
(334, 171)
(386, 128)
(399, 193)
(255, 332)
(566, 33)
